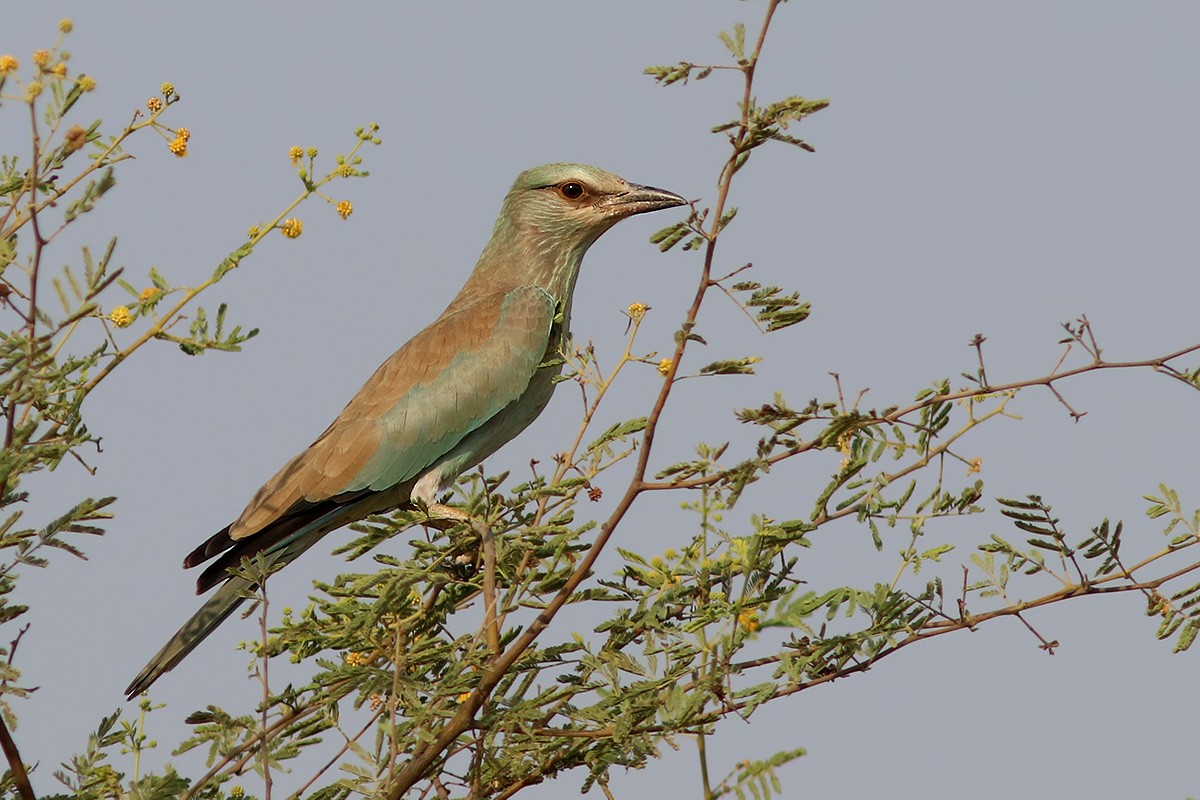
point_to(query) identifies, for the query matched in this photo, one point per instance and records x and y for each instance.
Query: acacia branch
(929, 631)
(896, 417)
(424, 757)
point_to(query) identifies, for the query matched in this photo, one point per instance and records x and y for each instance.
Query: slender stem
(143, 704)
(590, 410)
(235, 759)
(700, 747)
(490, 624)
(334, 758)
(266, 691)
(34, 270)
(16, 766)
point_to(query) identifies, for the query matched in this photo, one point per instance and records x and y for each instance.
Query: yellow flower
(637, 310)
(86, 82)
(121, 317)
(154, 104)
(291, 228)
(462, 698)
(376, 701)
(344, 170)
(295, 154)
(8, 64)
(65, 25)
(237, 791)
(148, 294)
(41, 57)
(178, 146)
(183, 133)
(664, 366)
(344, 208)
(312, 152)
(60, 69)
(749, 621)
(167, 89)
(253, 232)
(33, 90)
(358, 659)
(974, 465)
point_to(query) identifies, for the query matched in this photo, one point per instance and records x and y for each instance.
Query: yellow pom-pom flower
(344, 208)
(60, 69)
(121, 317)
(183, 133)
(154, 104)
(345, 170)
(291, 228)
(41, 57)
(148, 294)
(178, 147)
(664, 366)
(65, 25)
(637, 310)
(87, 83)
(167, 89)
(749, 621)
(295, 154)
(33, 90)
(8, 64)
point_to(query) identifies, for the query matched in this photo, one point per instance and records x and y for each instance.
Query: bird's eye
(572, 190)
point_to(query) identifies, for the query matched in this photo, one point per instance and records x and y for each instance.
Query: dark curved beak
(640, 199)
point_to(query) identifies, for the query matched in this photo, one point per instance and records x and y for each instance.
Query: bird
(447, 399)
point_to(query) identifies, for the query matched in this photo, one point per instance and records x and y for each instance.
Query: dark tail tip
(194, 631)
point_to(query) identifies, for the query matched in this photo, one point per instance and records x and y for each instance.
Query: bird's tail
(194, 631)
(279, 547)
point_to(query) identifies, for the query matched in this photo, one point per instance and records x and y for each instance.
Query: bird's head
(572, 204)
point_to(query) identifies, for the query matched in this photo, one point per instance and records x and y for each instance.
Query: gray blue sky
(994, 168)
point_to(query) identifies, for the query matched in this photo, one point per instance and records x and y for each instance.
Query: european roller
(446, 400)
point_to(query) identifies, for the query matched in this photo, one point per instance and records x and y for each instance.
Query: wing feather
(444, 383)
